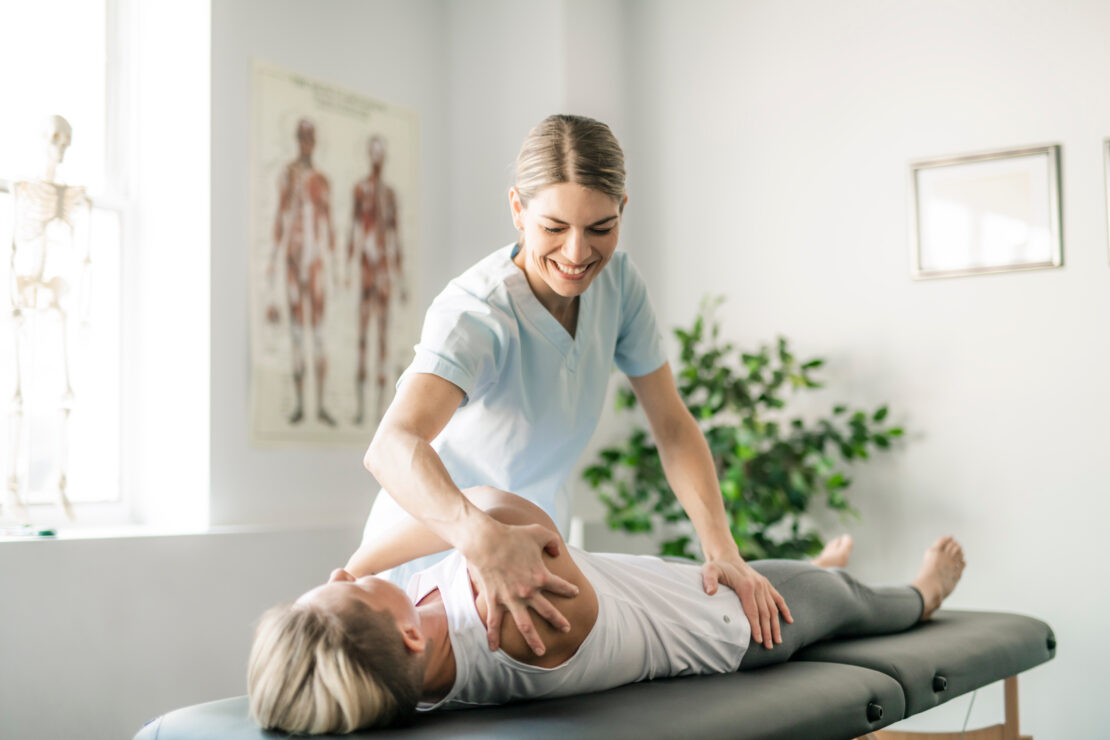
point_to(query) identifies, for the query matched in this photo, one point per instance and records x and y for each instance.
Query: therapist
(508, 383)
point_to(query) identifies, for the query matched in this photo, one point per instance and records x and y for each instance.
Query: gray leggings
(827, 602)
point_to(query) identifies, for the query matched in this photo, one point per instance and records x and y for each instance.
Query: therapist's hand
(761, 602)
(508, 565)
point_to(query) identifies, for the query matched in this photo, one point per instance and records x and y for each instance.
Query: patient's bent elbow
(372, 460)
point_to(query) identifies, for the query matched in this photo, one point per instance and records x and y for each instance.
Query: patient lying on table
(361, 652)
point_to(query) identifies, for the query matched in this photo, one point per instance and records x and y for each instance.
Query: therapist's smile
(571, 272)
(569, 234)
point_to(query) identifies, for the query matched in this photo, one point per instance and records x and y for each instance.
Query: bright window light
(54, 57)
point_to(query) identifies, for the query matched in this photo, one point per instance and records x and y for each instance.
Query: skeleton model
(44, 263)
(303, 228)
(374, 238)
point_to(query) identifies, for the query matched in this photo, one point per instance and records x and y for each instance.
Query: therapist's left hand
(761, 602)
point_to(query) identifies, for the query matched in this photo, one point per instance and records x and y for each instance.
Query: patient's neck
(439, 667)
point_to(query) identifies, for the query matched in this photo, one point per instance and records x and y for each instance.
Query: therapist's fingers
(751, 611)
(494, 612)
(559, 586)
(548, 541)
(710, 578)
(551, 615)
(783, 608)
(527, 630)
(765, 625)
(776, 629)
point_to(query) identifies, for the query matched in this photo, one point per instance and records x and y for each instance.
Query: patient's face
(378, 593)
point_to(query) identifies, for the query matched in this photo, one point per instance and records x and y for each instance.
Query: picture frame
(327, 163)
(987, 212)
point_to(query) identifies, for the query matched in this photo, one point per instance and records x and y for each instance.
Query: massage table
(837, 689)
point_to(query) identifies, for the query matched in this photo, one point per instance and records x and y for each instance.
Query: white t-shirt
(534, 394)
(654, 620)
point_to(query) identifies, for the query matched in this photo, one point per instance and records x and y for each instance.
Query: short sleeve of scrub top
(463, 341)
(638, 347)
(534, 393)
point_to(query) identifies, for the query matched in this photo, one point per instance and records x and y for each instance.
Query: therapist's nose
(575, 248)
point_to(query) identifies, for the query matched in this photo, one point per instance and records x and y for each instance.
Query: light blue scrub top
(534, 394)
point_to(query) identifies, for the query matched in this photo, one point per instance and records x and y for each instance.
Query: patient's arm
(406, 541)
(412, 540)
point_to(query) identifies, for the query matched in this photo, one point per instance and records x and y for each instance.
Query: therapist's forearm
(410, 470)
(688, 465)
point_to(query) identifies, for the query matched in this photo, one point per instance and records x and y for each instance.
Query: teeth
(569, 270)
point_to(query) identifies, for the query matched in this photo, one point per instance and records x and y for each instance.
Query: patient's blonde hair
(314, 670)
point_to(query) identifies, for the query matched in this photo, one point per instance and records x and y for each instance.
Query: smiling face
(569, 234)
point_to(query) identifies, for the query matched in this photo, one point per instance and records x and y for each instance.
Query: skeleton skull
(57, 135)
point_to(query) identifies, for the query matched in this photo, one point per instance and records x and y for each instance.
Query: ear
(624, 202)
(517, 208)
(413, 638)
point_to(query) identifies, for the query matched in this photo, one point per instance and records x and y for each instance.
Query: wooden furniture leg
(1008, 730)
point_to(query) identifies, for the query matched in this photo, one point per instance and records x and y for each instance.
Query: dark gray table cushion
(811, 700)
(965, 650)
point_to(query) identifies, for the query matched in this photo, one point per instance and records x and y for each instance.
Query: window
(61, 57)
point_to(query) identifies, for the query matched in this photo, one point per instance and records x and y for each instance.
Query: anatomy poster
(333, 258)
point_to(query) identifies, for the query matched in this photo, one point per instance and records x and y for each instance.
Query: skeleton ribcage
(38, 203)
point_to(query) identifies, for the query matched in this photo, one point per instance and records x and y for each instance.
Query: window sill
(140, 531)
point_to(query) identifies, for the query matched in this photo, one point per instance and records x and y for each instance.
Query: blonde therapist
(508, 382)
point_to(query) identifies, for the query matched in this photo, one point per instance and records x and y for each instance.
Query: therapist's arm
(505, 559)
(409, 539)
(688, 465)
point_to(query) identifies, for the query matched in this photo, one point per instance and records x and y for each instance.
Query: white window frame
(117, 507)
(163, 486)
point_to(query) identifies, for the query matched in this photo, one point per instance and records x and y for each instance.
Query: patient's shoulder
(581, 611)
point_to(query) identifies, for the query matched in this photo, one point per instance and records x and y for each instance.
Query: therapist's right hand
(508, 565)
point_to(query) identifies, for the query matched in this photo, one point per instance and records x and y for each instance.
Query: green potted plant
(771, 467)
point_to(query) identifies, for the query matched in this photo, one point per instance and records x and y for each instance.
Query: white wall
(102, 635)
(772, 140)
(513, 64)
(395, 51)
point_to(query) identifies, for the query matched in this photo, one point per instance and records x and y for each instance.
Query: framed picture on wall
(988, 212)
(333, 258)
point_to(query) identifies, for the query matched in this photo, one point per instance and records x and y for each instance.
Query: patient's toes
(941, 569)
(950, 566)
(836, 552)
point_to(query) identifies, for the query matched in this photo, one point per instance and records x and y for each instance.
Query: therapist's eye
(555, 230)
(601, 232)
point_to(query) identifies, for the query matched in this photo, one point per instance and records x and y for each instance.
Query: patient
(359, 652)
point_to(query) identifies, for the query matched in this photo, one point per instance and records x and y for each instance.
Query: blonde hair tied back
(313, 671)
(568, 148)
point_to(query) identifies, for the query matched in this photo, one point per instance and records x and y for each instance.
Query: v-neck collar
(544, 320)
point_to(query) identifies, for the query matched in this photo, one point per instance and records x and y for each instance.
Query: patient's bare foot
(941, 569)
(836, 553)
